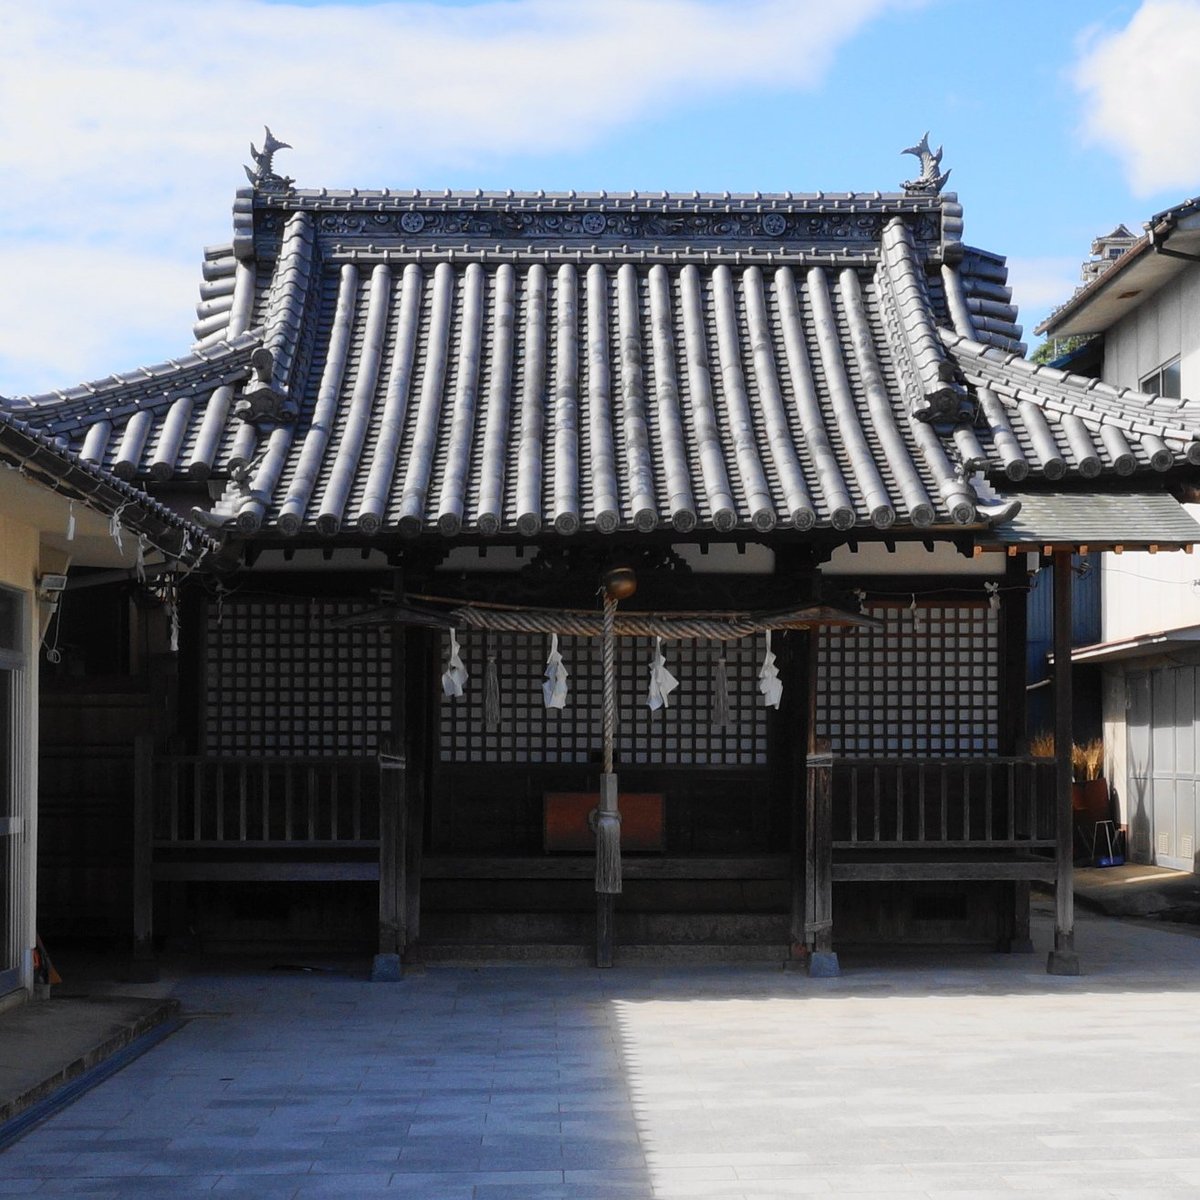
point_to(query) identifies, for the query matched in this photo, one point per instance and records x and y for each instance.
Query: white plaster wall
(1148, 593)
(1166, 324)
(911, 558)
(19, 549)
(1113, 706)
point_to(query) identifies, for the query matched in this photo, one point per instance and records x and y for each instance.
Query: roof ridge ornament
(263, 175)
(929, 182)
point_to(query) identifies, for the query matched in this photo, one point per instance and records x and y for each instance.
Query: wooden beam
(1062, 959)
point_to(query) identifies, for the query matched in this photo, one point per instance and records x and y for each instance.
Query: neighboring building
(1106, 250)
(1143, 316)
(56, 514)
(806, 415)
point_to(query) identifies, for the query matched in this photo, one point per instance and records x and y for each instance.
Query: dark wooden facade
(307, 776)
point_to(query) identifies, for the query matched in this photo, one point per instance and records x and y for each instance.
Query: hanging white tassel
(769, 682)
(114, 529)
(662, 682)
(139, 566)
(455, 674)
(71, 521)
(491, 695)
(554, 690)
(722, 718)
(917, 624)
(173, 611)
(993, 595)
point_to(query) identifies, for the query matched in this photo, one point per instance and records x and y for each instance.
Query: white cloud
(1141, 88)
(69, 313)
(1044, 282)
(123, 127)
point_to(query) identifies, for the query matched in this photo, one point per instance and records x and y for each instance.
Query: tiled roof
(47, 460)
(471, 364)
(1097, 520)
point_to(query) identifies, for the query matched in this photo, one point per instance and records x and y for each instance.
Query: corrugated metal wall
(1086, 629)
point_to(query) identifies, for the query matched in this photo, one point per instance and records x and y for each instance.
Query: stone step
(448, 953)
(521, 928)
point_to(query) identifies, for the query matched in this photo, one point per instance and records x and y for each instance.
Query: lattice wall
(281, 680)
(929, 684)
(682, 735)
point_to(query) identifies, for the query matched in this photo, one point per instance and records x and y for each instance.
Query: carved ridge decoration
(263, 176)
(419, 224)
(929, 182)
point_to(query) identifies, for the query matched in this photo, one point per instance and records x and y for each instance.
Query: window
(1165, 381)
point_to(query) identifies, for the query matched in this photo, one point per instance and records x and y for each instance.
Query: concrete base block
(386, 968)
(823, 964)
(1062, 962)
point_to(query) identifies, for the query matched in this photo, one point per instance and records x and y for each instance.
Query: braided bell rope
(608, 642)
(628, 625)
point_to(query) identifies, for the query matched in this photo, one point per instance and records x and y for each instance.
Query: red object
(565, 820)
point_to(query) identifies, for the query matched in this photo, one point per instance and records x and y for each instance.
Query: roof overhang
(1144, 646)
(40, 459)
(1095, 521)
(1150, 264)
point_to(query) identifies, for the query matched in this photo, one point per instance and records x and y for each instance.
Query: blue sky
(124, 126)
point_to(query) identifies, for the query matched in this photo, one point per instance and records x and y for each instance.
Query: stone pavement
(47, 1044)
(1134, 891)
(939, 1076)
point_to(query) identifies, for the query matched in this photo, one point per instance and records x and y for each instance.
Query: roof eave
(1148, 265)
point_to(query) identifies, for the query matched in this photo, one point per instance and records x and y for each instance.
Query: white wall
(1146, 593)
(1166, 325)
(18, 568)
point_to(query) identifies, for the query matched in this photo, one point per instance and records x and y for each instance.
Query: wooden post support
(418, 717)
(818, 923)
(144, 968)
(393, 821)
(1063, 960)
(798, 700)
(1014, 606)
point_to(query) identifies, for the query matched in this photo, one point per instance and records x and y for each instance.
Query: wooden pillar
(393, 821)
(393, 826)
(792, 764)
(1062, 959)
(1014, 678)
(420, 749)
(818, 922)
(144, 967)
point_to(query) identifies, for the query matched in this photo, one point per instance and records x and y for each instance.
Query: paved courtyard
(959, 1076)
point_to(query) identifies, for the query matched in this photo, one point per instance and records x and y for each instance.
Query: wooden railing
(947, 803)
(879, 819)
(265, 802)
